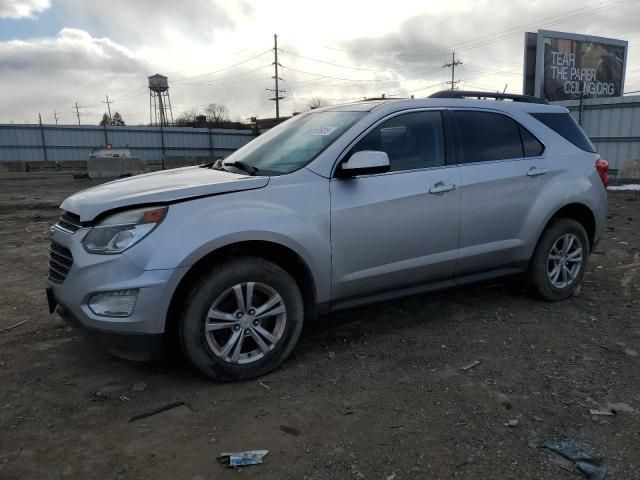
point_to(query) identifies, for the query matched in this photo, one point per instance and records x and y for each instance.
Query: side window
(532, 146)
(412, 140)
(486, 136)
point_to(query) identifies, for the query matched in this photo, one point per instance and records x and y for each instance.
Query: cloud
(54, 72)
(70, 50)
(156, 22)
(115, 45)
(425, 42)
(22, 8)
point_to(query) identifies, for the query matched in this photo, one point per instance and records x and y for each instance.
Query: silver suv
(334, 208)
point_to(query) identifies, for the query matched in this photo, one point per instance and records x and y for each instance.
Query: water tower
(160, 112)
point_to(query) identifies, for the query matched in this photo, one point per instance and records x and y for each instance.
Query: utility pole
(108, 102)
(452, 65)
(276, 78)
(55, 116)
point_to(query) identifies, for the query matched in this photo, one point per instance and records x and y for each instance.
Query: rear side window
(486, 136)
(564, 124)
(532, 146)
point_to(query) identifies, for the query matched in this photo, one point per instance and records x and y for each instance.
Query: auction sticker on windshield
(320, 131)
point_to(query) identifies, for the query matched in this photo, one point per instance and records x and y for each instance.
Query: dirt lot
(376, 392)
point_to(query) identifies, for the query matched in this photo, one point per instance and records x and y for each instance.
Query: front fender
(294, 214)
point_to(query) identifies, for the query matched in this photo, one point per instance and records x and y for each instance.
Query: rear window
(564, 124)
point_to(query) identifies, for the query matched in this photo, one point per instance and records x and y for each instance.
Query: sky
(54, 53)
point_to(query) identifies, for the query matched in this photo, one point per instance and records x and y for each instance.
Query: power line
(217, 81)
(224, 68)
(569, 15)
(335, 64)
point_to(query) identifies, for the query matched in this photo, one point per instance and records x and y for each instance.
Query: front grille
(60, 261)
(70, 222)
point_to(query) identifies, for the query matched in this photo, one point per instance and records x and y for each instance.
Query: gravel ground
(376, 392)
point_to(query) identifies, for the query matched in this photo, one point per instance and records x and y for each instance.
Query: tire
(544, 261)
(213, 302)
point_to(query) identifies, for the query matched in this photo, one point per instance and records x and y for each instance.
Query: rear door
(500, 177)
(398, 228)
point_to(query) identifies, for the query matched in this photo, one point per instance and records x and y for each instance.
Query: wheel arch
(575, 211)
(279, 254)
(580, 213)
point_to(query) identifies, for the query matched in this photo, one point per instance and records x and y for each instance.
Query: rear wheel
(242, 319)
(560, 259)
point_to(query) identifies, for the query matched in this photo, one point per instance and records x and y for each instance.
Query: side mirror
(365, 162)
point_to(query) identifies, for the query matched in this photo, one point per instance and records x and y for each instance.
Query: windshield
(298, 141)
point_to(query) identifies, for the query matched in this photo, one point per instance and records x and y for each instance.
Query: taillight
(602, 166)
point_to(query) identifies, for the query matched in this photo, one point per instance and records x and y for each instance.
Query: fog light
(118, 303)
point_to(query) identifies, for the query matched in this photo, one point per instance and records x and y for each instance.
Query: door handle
(534, 172)
(441, 188)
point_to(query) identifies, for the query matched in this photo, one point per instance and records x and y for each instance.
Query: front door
(398, 228)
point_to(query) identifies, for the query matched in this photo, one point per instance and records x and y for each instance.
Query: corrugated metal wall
(75, 142)
(613, 125)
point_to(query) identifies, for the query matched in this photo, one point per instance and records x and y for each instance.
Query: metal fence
(612, 124)
(55, 143)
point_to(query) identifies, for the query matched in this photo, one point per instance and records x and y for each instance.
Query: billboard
(567, 66)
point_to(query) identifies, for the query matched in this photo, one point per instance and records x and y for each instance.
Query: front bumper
(132, 346)
(140, 333)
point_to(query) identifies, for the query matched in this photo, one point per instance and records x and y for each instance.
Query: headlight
(119, 231)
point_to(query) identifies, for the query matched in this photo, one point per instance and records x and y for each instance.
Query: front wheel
(560, 259)
(242, 319)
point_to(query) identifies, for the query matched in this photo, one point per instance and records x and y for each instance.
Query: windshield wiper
(215, 165)
(245, 167)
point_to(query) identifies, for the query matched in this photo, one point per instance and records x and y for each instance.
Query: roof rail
(481, 95)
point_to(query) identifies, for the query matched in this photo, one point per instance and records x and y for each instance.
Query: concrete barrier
(630, 170)
(178, 162)
(13, 167)
(40, 166)
(115, 167)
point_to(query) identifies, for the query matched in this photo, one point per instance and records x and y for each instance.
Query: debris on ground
(621, 408)
(471, 365)
(605, 413)
(158, 410)
(15, 325)
(357, 473)
(588, 464)
(265, 386)
(512, 423)
(139, 387)
(290, 430)
(242, 459)
(613, 409)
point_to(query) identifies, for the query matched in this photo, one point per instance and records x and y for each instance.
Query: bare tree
(217, 113)
(318, 102)
(188, 116)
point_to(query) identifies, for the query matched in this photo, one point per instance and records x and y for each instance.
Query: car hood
(158, 187)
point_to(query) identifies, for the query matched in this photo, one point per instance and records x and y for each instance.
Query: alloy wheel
(245, 322)
(564, 261)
